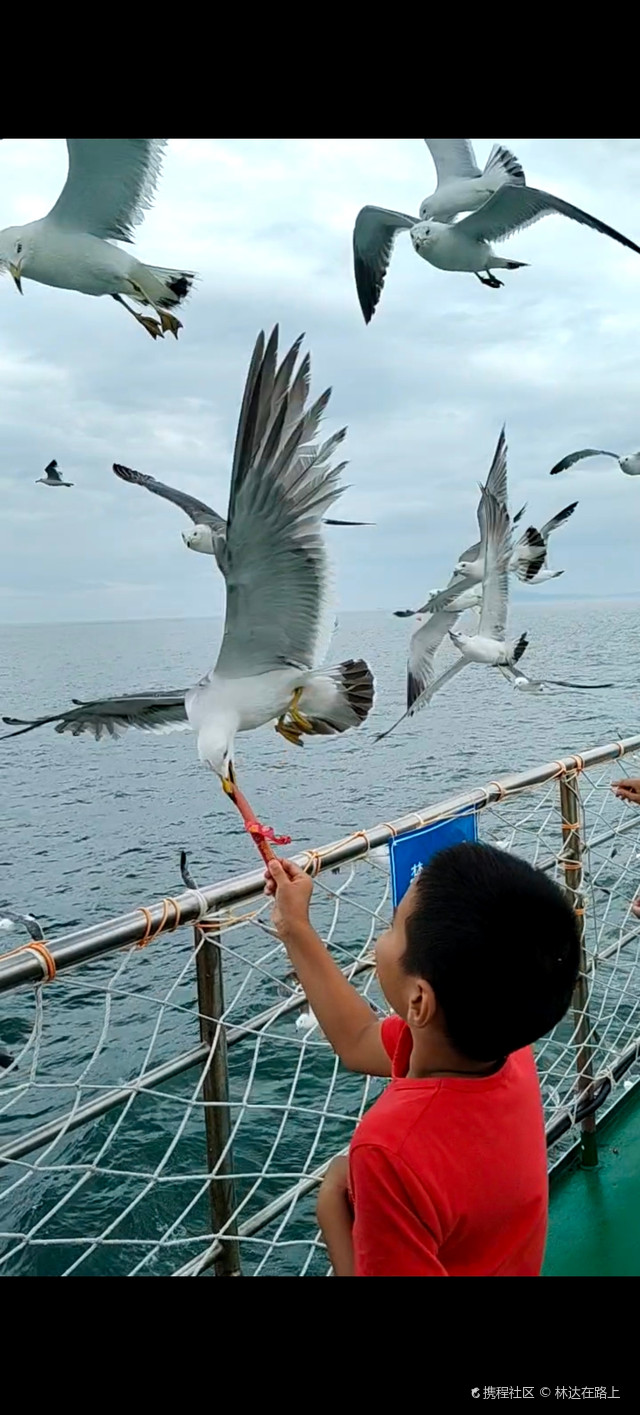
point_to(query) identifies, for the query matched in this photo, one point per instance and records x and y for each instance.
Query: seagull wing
(496, 543)
(519, 514)
(453, 158)
(198, 511)
(579, 457)
(152, 712)
(373, 236)
(515, 675)
(110, 184)
(427, 695)
(274, 560)
(456, 586)
(559, 520)
(28, 920)
(529, 555)
(496, 483)
(512, 208)
(422, 648)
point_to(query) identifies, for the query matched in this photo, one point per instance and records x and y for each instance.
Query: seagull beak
(229, 781)
(16, 272)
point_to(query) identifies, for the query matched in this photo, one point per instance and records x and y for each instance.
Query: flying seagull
(630, 465)
(518, 680)
(279, 612)
(110, 184)
(52, 477)
(469, 570)
(463, 245)
(461, 186)
(208, 525)
(489, 645)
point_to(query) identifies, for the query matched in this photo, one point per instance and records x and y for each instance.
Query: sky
(424, 389)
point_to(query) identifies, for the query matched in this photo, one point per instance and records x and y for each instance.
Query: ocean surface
(89, 830)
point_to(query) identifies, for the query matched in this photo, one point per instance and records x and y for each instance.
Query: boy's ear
(422, 1003)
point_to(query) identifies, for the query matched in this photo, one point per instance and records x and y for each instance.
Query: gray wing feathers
(512, 208)
(496, 483)
(496, 541)
(579, 456)
(110, 184)
(373, 236)
(422, 648)
(453, 158)
(274, 559)
(559, 520)
(151, 712)
(198, 511)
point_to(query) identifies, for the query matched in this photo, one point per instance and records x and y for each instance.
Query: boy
(447, 1172)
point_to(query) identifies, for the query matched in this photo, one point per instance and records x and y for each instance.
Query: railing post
(216, 1089)
(571, 860)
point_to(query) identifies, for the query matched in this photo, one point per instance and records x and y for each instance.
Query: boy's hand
(292, 889)
(627, 790)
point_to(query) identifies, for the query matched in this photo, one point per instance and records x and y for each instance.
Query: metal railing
(205, 910)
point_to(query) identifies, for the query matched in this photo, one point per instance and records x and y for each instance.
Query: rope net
(138, 1189)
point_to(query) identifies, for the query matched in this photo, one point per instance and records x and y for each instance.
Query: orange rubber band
(40, 947)
(148, 936)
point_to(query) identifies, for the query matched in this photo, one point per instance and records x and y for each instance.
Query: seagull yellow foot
(169, 323)
(291, 734)
(297, 717)
(151, 325)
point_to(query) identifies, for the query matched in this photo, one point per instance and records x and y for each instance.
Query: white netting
(129, 1191)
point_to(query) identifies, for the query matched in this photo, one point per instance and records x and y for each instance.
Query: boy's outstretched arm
(346, 1019)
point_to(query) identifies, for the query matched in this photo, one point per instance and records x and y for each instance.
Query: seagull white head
(631, 465)
(200, 538)
(422, 234)
(215, 749)
(15, 249)
(426, 208)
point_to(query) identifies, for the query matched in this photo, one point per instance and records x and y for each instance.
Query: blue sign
(407, 853)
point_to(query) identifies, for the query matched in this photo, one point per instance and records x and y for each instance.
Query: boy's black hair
(498, 942)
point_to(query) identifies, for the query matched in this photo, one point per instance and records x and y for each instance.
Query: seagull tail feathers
(502, 161)
(168, 287)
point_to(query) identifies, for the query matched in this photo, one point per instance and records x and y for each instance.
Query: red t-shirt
(448, 1175)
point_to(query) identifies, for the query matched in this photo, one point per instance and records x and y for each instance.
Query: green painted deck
(594, 1214)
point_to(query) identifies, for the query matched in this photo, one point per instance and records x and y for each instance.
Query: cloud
(424, 389)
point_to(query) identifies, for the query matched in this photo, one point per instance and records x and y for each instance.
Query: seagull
(461, 187)
(469, 599)
(279, 612)
(110, 184)
(52, 477)
(518, 680)
(8, 917)
(463, 245)
(488, 645)
(629, 465)
(208, 525)
(469, 570)
(525, 561)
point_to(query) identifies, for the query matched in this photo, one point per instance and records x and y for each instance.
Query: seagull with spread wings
(461, 186)
(460, 245)
(489, 645)
(207, 524)
(52, 476)
(630, 464)
(279, 612)
(109, 186)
